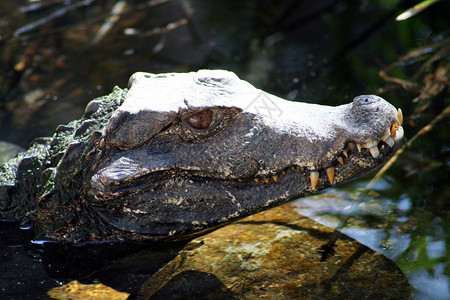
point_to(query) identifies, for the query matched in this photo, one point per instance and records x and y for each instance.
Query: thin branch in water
(56, 14)
(114, 16)
(165, 29)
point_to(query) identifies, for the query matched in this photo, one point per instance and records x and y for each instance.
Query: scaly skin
(178, 154)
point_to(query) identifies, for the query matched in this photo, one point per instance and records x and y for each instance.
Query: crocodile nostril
(365, 100)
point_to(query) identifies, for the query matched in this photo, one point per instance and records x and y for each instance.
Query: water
(324, 52)
(416, 242)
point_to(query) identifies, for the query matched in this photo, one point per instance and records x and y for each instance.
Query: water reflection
(416, 242)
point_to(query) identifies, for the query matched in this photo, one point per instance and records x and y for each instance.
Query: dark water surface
(53, 61)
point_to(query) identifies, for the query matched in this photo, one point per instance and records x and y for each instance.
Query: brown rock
(274, 254)
(78, 291)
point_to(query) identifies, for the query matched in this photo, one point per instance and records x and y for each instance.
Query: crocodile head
(188, 152)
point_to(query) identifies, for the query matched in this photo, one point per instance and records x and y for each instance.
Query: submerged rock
(75, 290)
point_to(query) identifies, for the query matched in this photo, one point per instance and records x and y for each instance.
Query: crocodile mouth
(353, 160)
(378, 149)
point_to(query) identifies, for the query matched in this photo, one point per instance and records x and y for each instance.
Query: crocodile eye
(201, 120)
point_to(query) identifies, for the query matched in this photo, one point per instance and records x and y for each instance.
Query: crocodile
(175, 155)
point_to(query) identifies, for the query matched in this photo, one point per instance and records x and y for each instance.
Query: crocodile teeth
(389, 141)
(340, 160)
(314, 176)
(359, 147)
(393, 130)
(256, 180)
(330, 174)
(266, 180)
(374, 151)
(345, 153)
(275, 178)
(386, 135)
(370, 144)
(398, 134)
(400, 116)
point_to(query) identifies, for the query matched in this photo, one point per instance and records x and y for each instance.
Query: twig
(56, 14)
(114, 16)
